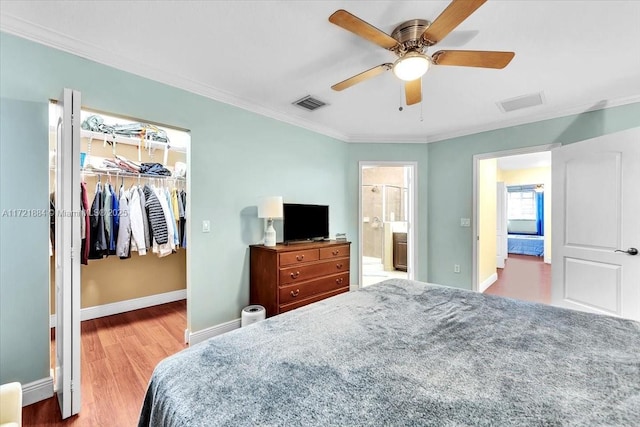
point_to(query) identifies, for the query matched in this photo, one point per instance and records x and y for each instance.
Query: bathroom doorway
(386, 216)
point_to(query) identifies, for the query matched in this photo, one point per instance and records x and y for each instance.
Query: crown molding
(22, 28)
(569, 111)
(19, 27)
(563, 112)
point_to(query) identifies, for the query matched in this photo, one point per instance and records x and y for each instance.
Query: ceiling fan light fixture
(412, 66)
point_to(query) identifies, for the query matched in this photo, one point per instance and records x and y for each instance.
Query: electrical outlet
(206, 226)
(465, 222)
(456, 268)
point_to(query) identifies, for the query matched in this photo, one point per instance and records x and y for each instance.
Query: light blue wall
(236, 158)
(388, 152)
(450, 179)
(24, 250)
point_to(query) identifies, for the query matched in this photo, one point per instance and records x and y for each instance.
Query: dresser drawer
(334, 252)
(288, 307)
(292, 258)
(296, 292)
(301, 273)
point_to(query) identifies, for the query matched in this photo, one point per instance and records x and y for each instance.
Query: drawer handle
(339, 266)
(295, 293)
(295, 275)
(336, 252)
(339, 281)
(299, 257)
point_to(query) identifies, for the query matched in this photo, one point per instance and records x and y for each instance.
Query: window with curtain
(521, 205)
(525, 209)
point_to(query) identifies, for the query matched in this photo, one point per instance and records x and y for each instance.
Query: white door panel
(593, 284)
(596, 204)
(67, 208)
(599, 172)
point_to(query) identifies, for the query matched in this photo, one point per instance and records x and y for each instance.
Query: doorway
(512, 223)
(114, 158)
(386, 221)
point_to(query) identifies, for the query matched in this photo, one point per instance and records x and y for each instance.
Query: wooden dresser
(284, 277)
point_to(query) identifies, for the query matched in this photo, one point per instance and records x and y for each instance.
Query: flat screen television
(305, 222)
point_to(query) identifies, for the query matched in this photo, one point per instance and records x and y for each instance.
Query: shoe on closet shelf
(11, 405)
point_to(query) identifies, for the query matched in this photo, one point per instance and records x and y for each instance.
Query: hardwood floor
(524, 277)
(118, 354)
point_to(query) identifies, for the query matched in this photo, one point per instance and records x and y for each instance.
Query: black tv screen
(305, 222)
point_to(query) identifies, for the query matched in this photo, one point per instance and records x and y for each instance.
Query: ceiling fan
(410, 40)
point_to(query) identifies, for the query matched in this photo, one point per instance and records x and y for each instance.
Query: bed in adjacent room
(407, 353)
(523, 244)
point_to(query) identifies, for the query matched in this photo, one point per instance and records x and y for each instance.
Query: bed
(406, 353)
(525, 245)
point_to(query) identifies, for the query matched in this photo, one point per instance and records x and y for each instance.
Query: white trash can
(252, 314)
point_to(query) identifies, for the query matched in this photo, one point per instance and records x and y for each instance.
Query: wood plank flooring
(118, 354)
(525, 278)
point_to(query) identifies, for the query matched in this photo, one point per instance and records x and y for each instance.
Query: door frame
(475, 286)
(412, 226)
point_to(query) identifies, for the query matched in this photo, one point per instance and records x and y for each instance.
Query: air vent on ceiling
(521, 102)
(309, 103)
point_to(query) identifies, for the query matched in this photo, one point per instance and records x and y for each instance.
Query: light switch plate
(206, 226)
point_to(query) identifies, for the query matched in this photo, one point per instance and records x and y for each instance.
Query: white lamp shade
(270, 207)
(412, 66)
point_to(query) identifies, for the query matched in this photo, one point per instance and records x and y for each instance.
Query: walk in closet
(132, 216)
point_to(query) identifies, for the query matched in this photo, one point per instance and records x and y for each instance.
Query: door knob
(630, 251)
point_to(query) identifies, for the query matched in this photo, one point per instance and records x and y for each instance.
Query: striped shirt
(157, 220)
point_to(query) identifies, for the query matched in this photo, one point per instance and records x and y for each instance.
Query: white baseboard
(37, 390)
(488, 282)
(199, 336)
(127, 305)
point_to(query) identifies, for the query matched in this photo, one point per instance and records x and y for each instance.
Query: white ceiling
(263, 55)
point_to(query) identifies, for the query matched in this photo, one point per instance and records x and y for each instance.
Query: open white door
(68, 243)
(501, 226)
(596, 225)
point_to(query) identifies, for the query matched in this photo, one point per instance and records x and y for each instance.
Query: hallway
(525, 278)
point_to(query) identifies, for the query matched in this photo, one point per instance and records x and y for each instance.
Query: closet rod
(116, 174)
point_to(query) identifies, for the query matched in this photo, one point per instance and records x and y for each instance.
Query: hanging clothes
(183, 219)
(106, 215)
(86, 236)
(98, 241)
(181, 216)
(157, 219)
(52, 217)
(123, 243)
(145, 219)
(176, 214)
(168, 247)
(115, 220)
(136, 219)
(172, 223)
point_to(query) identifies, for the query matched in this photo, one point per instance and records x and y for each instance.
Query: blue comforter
(404, 353)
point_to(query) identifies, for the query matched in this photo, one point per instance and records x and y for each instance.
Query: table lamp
(270, 208)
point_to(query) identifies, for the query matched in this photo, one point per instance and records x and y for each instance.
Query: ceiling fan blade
(357, 26)
(473, 58)
(361, 77)
(450, 18)
(413, 91)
